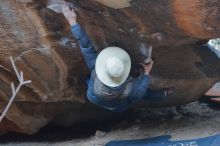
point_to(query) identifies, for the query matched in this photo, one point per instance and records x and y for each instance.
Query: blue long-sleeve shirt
(136, 87)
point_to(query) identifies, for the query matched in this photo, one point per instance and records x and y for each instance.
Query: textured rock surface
(42, 45)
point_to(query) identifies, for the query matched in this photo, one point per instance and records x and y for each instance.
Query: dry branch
(14, 91)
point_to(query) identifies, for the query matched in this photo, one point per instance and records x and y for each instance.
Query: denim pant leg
(154, 95)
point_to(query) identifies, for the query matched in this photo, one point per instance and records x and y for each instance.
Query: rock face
(41, 44)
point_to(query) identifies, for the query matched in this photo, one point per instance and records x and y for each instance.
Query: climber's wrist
(72, 21)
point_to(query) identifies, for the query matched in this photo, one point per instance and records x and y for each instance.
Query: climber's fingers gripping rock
(147, 67)
(69, 14)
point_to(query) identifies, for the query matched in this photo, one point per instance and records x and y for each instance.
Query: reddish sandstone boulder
(41, 44)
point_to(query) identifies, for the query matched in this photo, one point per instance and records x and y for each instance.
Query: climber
(110, 86)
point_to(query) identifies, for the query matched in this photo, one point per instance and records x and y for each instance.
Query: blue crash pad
(165, 141)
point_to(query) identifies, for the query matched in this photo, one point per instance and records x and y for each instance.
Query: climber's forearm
(82, 37)
(86, 45)
(140, 86)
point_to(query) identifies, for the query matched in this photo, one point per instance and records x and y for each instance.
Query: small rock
(177, 117)
(100, 134)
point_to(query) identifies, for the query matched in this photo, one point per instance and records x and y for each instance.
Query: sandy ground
(190, 121)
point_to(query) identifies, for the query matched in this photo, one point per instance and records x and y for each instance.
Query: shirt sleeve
(139, 88)
(86, 45)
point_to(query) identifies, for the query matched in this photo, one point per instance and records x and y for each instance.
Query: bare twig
(14, 91)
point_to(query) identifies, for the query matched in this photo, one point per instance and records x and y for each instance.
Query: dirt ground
(186, 122)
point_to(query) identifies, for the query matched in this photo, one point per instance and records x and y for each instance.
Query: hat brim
(100, 65)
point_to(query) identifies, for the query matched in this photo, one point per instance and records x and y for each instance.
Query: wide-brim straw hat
(113, 66)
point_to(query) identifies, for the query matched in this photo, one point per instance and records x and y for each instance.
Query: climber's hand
(147, 67)
(69, 14)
